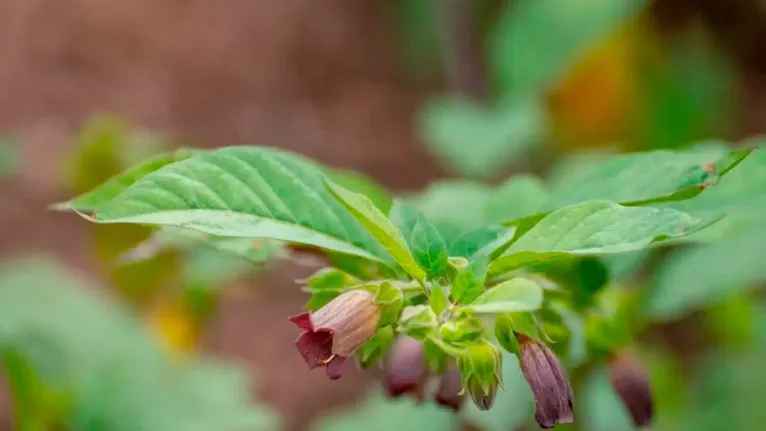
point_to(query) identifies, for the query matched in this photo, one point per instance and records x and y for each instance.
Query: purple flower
(332, 333)
(450, 392)
(549, 384)
(631, 383)
(405, 370)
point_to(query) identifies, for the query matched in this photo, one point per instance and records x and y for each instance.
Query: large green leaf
(247, 192)
(115, 376)
(633, 179)
(90, 201)
(694, 278)
(592, 228)
(736, 202)
(379, 226)
(427, 245)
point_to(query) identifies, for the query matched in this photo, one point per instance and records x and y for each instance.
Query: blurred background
(408, 92)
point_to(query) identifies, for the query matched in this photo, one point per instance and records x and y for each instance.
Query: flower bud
(631, 383)
(332, 333)
(405, 369)
(481, 370)
(450, 392)
(546, 377)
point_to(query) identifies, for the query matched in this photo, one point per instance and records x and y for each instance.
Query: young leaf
(438, 300)
(380, 227)
(90, 201)
(591, 228)
(247, 192)
(517, 294)
(468, 283)
(424, 240)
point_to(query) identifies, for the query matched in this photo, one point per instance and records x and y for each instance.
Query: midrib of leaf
(231, 187)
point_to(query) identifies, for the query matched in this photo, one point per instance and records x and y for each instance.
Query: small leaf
(505, 334)
(380, 227)
(392, 300)
(438, 300)
(246, 192)
(418, 321)
(375, 349)
(468, 283)
(592, 228)
(424, 240)
(517, 294)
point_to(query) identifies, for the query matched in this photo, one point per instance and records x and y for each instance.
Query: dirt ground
(315, 77)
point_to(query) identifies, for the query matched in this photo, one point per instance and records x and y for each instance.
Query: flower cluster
(333, 332)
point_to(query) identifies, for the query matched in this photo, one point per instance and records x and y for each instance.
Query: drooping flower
(631, 383)
(481, 370)
(450, 391)
(332, 333)
(405, 369)
(549, 384)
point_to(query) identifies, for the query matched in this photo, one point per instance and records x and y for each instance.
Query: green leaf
(592, 228)
(246, 192)
(478, 141)
(517, 294)
(92, 200)
(694, 278)
(427, 245)
(438, 300)
(118, 378)
(484, 241)
(380, 226)
(418, 321)
(361, 184)
(641, 178)
(375, 349)
(468, 283)
(737, 201)
(378, 413)
(325, 285)
(526, 57)
(392, 300)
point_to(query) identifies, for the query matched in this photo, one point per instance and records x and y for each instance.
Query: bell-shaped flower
(549, 384)
(405, 369)
(631, 383)
(332, 333)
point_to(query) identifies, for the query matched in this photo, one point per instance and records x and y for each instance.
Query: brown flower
(332, 333)
(631, 383)
(405, 370)
(546, 378)
(450, 392)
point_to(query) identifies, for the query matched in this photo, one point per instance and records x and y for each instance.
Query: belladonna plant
(441, 300)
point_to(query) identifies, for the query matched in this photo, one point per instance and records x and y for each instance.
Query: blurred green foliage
(60, 346)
